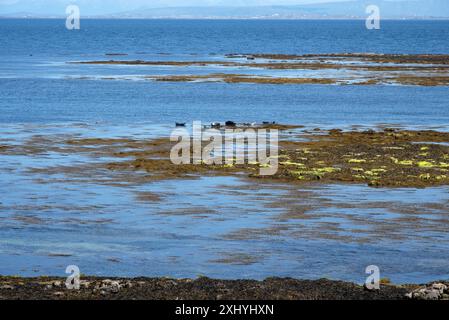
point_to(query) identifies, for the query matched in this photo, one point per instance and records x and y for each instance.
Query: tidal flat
(387, 158)
(337, 195)
(86, 179)
(343, 69)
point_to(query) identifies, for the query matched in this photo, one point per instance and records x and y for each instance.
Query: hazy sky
(108, 6)
(98, 7)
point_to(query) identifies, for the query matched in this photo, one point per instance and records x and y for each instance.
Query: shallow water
(214, 226)
(126, 103)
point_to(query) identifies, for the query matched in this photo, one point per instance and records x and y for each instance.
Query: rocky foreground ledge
(93, 288)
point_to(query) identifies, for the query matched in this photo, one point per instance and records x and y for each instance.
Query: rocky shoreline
(96, 288)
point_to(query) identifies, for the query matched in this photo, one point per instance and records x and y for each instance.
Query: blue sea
(50, 221)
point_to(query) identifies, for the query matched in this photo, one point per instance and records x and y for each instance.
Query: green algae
(356, 160)
(425, 164)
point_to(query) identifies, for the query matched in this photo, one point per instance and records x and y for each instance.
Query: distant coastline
(61, 17)
(251, 10)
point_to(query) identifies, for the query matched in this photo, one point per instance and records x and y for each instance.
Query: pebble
(6, 287)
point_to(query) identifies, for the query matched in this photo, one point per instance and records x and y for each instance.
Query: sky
(104, 7)
(112, 6)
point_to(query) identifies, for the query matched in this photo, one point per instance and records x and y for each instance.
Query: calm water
(210, 226)
(49, 38)
(37, 84)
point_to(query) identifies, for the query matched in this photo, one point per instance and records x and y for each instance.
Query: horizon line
(224, 18)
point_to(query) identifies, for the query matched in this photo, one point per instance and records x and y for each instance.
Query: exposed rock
(435, 291)
(109, 286)
(57, 283)
(440, 287)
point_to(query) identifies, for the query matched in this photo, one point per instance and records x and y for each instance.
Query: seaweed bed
(383, 158)
(388, 158)
(92, 288)
(360, 69)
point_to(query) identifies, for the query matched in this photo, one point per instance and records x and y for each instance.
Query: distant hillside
(338, 10)
(348, 9)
